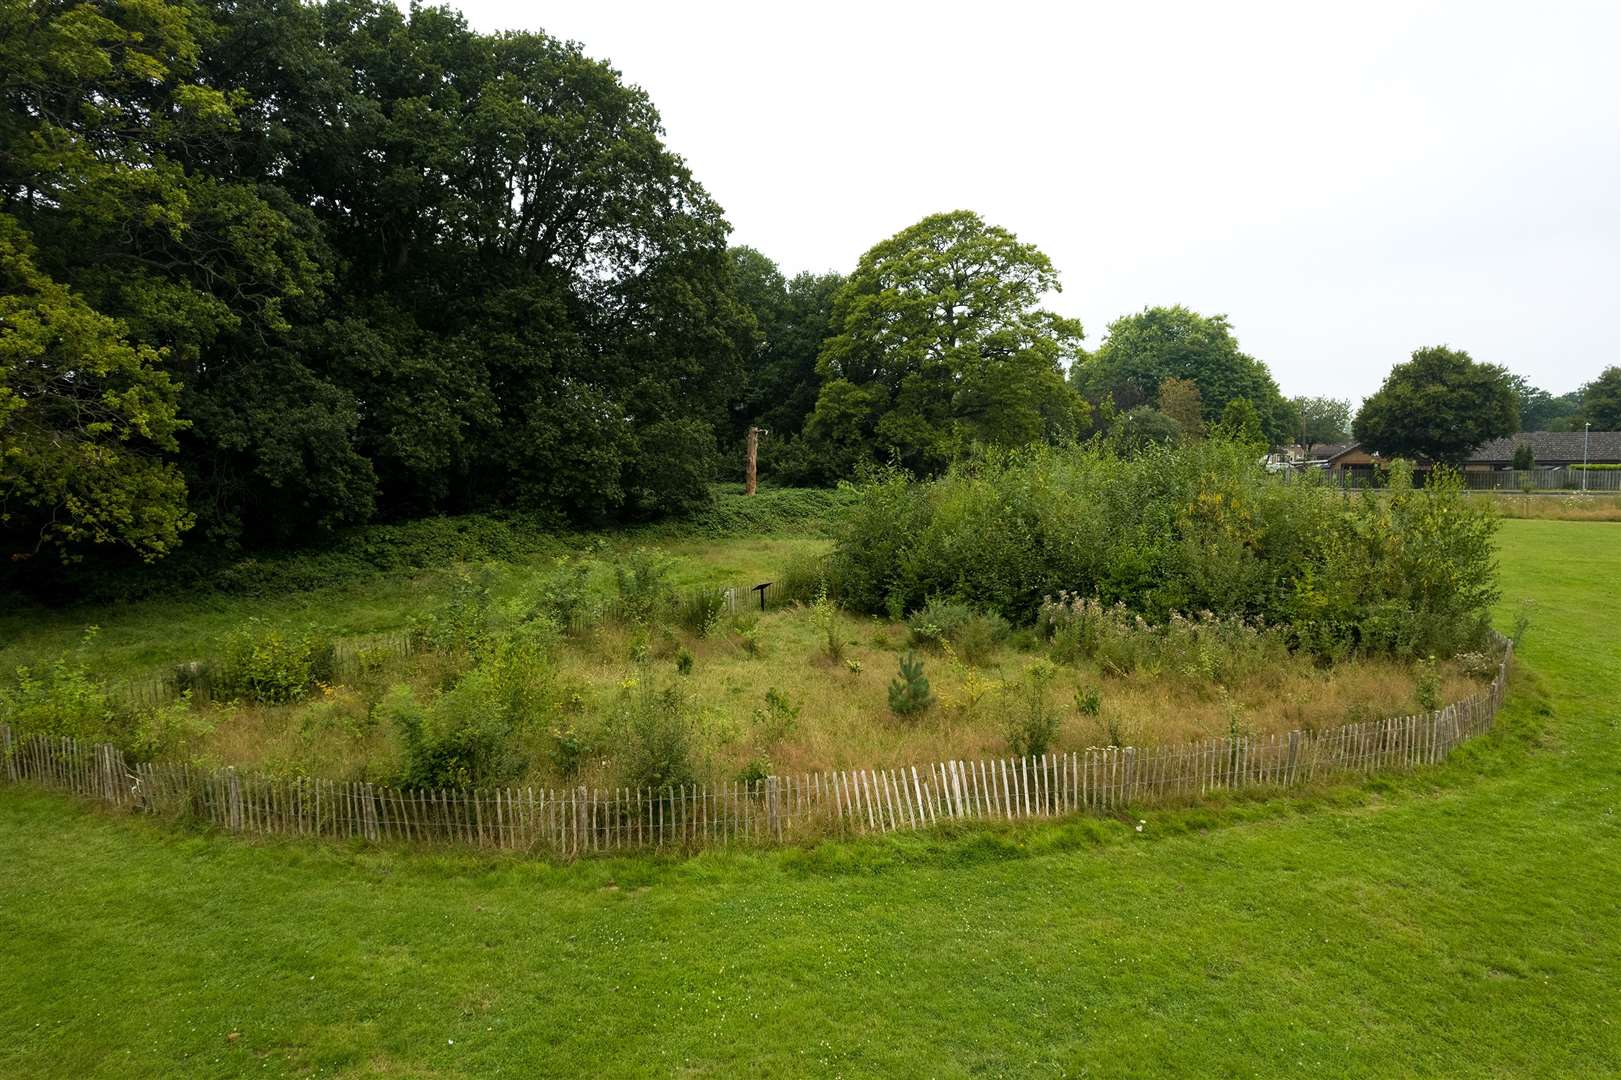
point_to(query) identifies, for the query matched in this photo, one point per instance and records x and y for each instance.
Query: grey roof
(1552, 446)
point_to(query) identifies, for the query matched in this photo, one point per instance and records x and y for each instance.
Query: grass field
(1461, 922)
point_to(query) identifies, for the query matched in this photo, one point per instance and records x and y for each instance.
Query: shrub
(656, 736)
(1033, 722)
(565, 596)
(973, 634)
(1192, 528)
(463, 620)
(472, 733)
(825, 618)
(642, 579)
(700, 611)
(61, 699)
(1089, 702)
(1427, 685)
(777, 719)
(169, 732)
(268, 665)
(909, 692)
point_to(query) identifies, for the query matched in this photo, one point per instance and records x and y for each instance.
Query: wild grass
(765, 666)
(1563, 506)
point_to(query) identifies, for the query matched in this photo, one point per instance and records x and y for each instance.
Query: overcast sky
(1345, 182)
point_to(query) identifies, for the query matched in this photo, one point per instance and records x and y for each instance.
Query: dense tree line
(274, 267)
(269, 268)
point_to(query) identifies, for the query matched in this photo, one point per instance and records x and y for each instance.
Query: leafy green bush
(1191, 528)
(565, 595)
(776, 720)
(169, 732)
(61, 699)
(656, 736)
(909, 692)
(825, 618)
(462, 622)
(973, 634)
(1032, 721)
(474, 733)
(266, 664)
(643, 581)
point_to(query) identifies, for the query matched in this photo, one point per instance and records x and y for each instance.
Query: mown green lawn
(1463, 922)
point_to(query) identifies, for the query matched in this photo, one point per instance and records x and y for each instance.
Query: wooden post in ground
(751, 471)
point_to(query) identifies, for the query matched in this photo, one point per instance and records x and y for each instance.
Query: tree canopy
(1145, 349)
(940, 343)
(1438, 406)
(1321, 420)
(327, 262)
(1601, 401)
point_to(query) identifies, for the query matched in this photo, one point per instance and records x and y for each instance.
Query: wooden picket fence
(776, 809)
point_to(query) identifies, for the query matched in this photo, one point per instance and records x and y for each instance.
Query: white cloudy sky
(1346, 182)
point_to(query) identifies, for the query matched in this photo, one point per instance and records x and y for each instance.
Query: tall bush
(1186, 529)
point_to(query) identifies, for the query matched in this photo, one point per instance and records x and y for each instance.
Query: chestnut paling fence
(574, 821)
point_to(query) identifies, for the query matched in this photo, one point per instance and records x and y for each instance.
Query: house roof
(1546, 446)
(1603, 447)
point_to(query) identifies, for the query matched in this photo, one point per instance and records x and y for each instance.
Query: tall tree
(1179, 399)
(941, 343)
(1145, 349)
(794, 316)
(1321, 420)
(1601, 401)
(1438, 406)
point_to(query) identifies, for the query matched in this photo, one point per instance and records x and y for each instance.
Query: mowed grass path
(1463, 922)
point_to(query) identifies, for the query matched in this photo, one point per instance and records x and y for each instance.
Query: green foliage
(1239, 423)
(909, 692)
(1033, 722)
(829, 631)
(792, 318)
(463, 622)
(656, 733)
(1160, 343)
(1427, 685)
(1143, 428)
(939, 345)
(1438, 406)
(1198, 528)
(1089, 701)
(475, 732)
(85, 416)
(172, 731)
(973, 634)
(565, 596)
(269, 665)
(61, 699)
(1601, 402)
(1179, 399)
(489, 284)
(642, 579)
(683, 661)
(1523, 458)
(1320, 420)
(776, 720)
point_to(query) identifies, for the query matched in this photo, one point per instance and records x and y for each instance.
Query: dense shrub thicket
(1189, 529)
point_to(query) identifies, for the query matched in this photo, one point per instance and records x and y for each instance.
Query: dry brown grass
(1567, 506)
(844, 718)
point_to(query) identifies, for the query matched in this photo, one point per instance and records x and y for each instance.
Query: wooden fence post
(233, 813)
